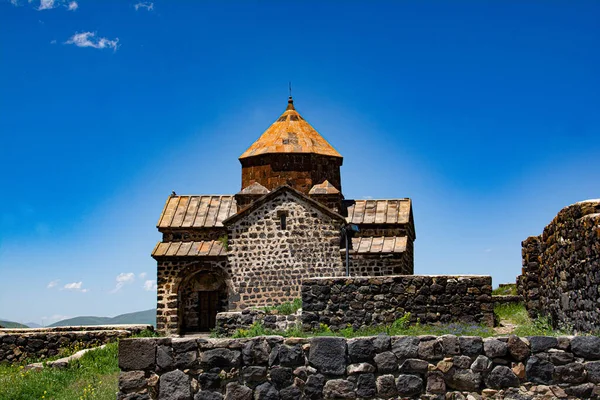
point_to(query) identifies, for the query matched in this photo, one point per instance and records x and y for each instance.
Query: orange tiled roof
(290, 134)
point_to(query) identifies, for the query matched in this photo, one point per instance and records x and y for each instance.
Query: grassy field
(94, 376)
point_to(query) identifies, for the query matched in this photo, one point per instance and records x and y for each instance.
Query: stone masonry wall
(171, 279)
(299, 170)
(269, 262)
(381, 264)
(528, 283)
(568, 275)
(367, 301)
(229, 322)
(382, 367)
(19, 345)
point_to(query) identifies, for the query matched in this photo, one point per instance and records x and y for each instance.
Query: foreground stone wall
(366, 301)
(561, 268)
(19, 345)
(426, 367)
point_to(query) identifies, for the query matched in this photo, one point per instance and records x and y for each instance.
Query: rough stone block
(328, 355)
(137, 354)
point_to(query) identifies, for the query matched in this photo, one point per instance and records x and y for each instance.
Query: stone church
(254, 248)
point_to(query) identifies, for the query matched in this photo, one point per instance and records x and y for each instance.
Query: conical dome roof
(290, 134)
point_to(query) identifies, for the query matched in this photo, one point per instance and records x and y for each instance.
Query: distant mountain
(140, 317)
(33, 325)
(10, 324)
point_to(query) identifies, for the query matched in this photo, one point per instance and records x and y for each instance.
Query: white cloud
(88, 39)
(122, 279)
(46, 5)
(149, 285)
(53, 41)
(76, 287)
(73, 6)
(148, 6)
(53, 283)
(142, 275)
(14, 2)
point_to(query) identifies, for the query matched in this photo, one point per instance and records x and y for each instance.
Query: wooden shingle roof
(290, 134)
(376, 245)
(392, 211)
(206, 248)
(196, 211)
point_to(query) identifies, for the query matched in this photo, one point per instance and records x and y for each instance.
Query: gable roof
(205, 248)
(390, 211)
(196, 211)
(276, 192)
(324, 188)
(290, 133)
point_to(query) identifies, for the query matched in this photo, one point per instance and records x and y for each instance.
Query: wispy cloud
(89, 39)
(75, 287)
(53, 283)
(72, 6)
(47, 5)
(122, 279)
(143, 275)
(149, 285)
(488, 250)
(147, 5)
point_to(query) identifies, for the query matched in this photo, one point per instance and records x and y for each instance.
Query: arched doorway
(201, 297)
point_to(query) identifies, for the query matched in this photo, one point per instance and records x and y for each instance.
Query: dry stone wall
(382, 367)
(367, 301)
(19, 345)
(561, 268)
(229, 322)
(269, 261)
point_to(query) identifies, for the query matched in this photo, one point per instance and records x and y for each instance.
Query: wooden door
(208, 303)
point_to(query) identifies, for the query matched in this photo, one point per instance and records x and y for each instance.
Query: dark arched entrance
(201, 297)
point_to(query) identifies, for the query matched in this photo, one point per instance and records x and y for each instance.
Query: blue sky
(485, 113)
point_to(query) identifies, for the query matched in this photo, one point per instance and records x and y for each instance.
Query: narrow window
(282, 220)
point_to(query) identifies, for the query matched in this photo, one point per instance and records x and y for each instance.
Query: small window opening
(282, 220)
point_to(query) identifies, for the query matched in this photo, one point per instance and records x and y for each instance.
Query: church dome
(290, 133)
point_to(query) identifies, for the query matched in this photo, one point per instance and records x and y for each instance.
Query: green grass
(93, 376)
(505, 290)
(287, 308)
(399, 327)
(516, 314)
(513, 313)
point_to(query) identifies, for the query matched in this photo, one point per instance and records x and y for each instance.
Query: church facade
(254, 248)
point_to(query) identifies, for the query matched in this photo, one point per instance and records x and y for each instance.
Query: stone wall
(19, 345)
(367, 301)
(528, 283)
(229, 322)
(383, 367)
(561, 268)
(375, 264)
(299, 170)
(269, 262)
